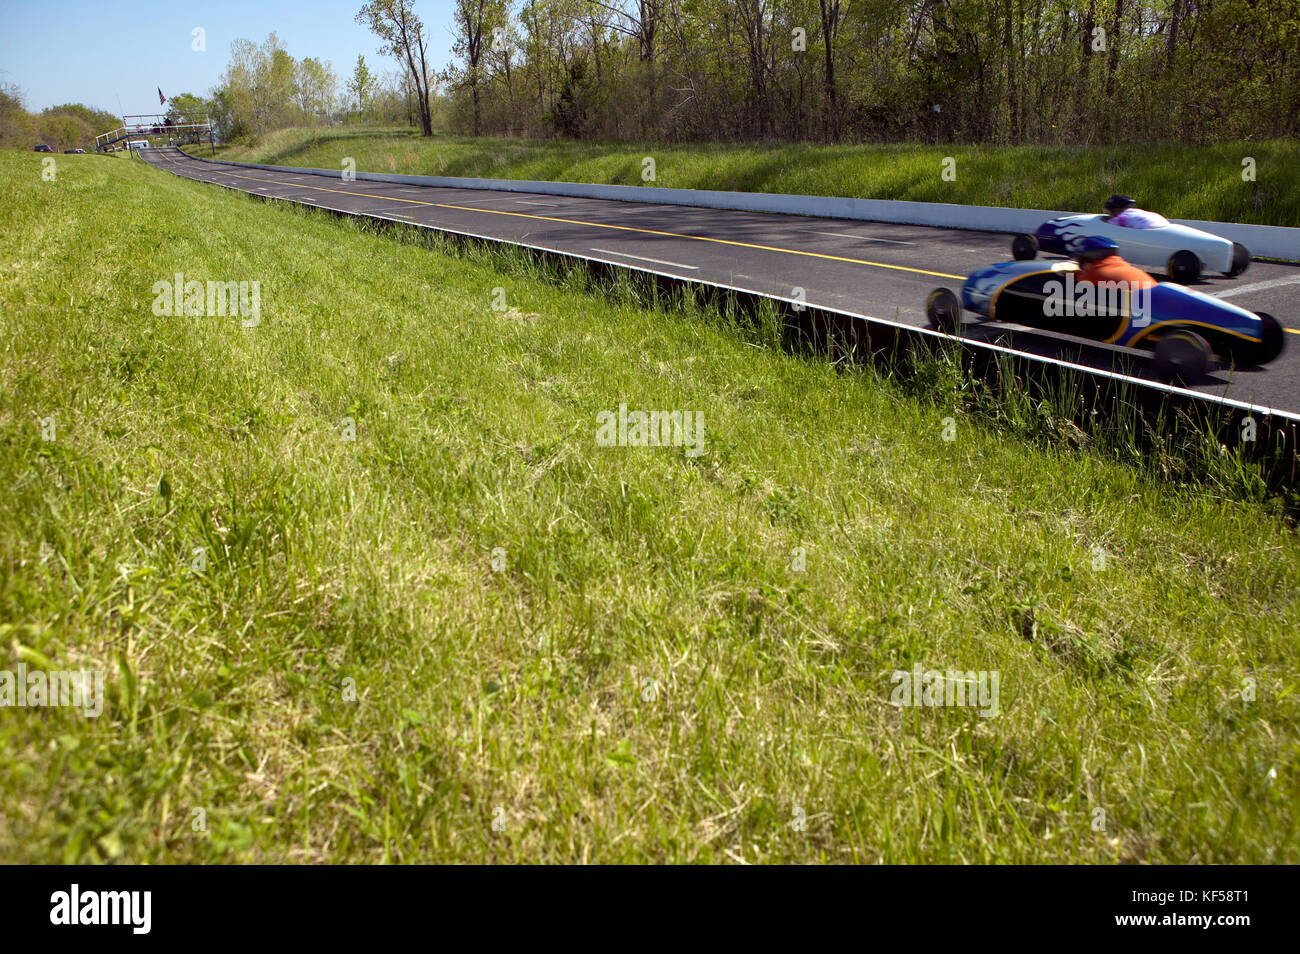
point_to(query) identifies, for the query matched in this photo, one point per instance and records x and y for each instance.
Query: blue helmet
(1095, 243)
(1095, 247)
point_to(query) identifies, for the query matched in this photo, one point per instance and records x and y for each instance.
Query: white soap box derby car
(1180, 250)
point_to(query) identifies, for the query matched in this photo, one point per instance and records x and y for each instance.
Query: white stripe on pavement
(1257, 286)
(861, 238)
(642, 258)
(392, 209)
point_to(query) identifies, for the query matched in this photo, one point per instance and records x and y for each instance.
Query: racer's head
(1096, 247)
(1118, 203)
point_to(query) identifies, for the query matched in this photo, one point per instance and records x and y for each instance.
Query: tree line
(69, 126)
(995, 71)
(264, 88)
(974, 71)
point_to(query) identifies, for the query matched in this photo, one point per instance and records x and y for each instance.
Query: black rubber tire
(1024, 247)
(1184, 267)
(1273, 339)
(943, 308)
(1240, 260)
(1182, 356)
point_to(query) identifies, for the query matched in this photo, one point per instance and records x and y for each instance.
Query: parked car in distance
(139, 144)
(74, 152)
(43, 148)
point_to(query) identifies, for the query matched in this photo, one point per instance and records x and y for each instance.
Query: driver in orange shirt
(1100, 261)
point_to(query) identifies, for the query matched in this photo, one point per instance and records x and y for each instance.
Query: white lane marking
(861, 238)
(402, 220)
(477, 200)
(1257, 286)
(530, 202)
(382, 209)
(642, 258)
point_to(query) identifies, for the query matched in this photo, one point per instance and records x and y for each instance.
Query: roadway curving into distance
(880, 270)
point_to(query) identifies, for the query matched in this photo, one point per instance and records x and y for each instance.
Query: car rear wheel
(1184, 267)
(944, 310)
(1240, 260)
(1024, 247)
(1182, 356)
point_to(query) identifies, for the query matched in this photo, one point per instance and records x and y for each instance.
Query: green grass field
(1202, 183)
(366, 586)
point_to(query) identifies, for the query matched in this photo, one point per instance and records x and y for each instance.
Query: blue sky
(95, 51)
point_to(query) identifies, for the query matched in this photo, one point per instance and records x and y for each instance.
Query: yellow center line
(603, 225)
(620, 228)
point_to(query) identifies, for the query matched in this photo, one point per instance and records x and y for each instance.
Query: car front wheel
(944, 310)
(1271, 340)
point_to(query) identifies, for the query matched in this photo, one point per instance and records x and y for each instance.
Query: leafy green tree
(362, 84)
(395, 22)
(17, 130)
(63, 129)
(235, 97)
(317, 89)
(96, 119)
(186, 108)
(475, 22)
(277, 85)
(574, 105)
(258, 91)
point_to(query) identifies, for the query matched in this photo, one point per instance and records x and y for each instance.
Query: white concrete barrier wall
(1264, 241)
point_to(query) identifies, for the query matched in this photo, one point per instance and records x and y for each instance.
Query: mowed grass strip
(648, 676)
(1230, 182)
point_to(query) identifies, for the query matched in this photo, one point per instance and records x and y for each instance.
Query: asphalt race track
(879, 270)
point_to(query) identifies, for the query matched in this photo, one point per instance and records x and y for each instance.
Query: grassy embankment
(1181, 182)
(647, 676)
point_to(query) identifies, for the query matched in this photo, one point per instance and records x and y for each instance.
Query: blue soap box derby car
(1183, 328)
(1182, 251)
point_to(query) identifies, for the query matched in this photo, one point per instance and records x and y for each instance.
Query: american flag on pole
(161, 98)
